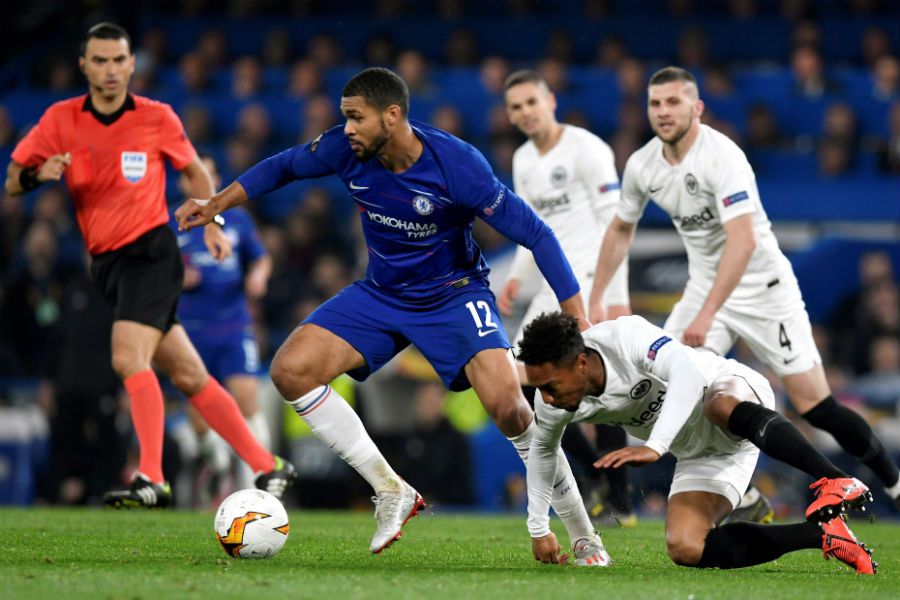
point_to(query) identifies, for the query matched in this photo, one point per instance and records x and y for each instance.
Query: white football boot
(392, 511)
(590, 552)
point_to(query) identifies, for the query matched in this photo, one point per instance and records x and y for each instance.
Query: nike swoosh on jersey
(487, 332)
(653, 191)
(358, 187)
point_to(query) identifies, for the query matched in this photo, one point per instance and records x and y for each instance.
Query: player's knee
(684, 550)
(510, 416)
(292, 377)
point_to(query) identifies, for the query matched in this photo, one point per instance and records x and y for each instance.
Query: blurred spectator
(240, 155)
(624, 143)
(325, 51)
(213, 48)
(632, 117)
(62, 76)
(595, 10)
(13, 221)
(319, 115)
(277, 49)
(448, 118)
(329, 275)
(555, 74)
(886, 78)
(246, 78)
(29, 315)
(492, 74)
(809, 73)
(560, 46)
(306, 79)
(874, 44)
(611, 51)
(631, 79)
(152, 50)
(839, 124)
(807, 33)
(762, 129)
(889, 151)
(717, 83)
(692, 49)
(743, 10)
(52, 206)
(881, 385)
(680, 8)
(413, 68)
(385, 9)
(7, 130)
(254, 125)
(450, 9)
(461, 49)
(197, 124)
(834, 158)
(195, 73)
(795, 10)
(380, 50)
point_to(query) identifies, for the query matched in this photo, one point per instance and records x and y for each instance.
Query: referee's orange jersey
(117, 177)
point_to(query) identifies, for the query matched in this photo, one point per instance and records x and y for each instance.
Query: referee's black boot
(281, 477)
(142, 493)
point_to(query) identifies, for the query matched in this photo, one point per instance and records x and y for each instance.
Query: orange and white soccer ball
(251, 524)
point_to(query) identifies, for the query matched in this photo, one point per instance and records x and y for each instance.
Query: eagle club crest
(640, 389)
(423, 205)
(134, 166)
(690, 182)
(558, 176)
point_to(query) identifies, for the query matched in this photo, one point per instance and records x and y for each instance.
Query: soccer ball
(251, 524)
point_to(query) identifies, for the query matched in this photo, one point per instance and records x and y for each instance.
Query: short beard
(678, 135)
(369, 152)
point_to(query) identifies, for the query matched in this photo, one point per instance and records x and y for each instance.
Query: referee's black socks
(855, 436)
(777, 437)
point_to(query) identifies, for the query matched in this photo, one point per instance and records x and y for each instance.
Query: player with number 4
(740, 284)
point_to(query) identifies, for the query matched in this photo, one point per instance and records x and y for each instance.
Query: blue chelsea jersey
(418, 223)
(218, 306)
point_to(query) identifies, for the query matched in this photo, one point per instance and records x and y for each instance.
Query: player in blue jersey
(418, 191)
(213, 310)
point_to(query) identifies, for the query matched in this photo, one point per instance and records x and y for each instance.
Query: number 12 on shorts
(486, 326)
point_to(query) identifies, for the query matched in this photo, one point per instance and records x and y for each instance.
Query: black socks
(774, 435)
(855, 436)
(738, 545)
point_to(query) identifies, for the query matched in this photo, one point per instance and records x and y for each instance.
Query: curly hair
(380, 88)
(551, 337)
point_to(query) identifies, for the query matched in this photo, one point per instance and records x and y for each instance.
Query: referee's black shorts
(142, 280)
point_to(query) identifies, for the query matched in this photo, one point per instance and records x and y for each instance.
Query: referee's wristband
(219, 220)
(28, 178)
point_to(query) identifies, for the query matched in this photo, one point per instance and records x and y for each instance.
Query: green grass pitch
(72, 553)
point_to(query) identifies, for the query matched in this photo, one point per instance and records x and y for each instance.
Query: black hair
(670, 74)
(380, 88)
(105, 31)
(524, 76)
(551, 337)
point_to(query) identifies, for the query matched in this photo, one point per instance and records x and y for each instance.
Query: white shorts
(782, 340)
(726, 471)
(545, 300)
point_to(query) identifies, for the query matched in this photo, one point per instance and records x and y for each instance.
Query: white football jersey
(712, 185)
(574, 189)
(654, 390)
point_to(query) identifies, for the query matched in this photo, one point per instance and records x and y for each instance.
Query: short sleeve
(597, 168)
(733, 183)
(632, 200)
(41, 142)
(174, 143)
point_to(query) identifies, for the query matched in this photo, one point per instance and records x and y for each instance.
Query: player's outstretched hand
(635, 456)
(508, 296)
(547, 550)
(194, 213)
(54, 167)
(218, 244)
